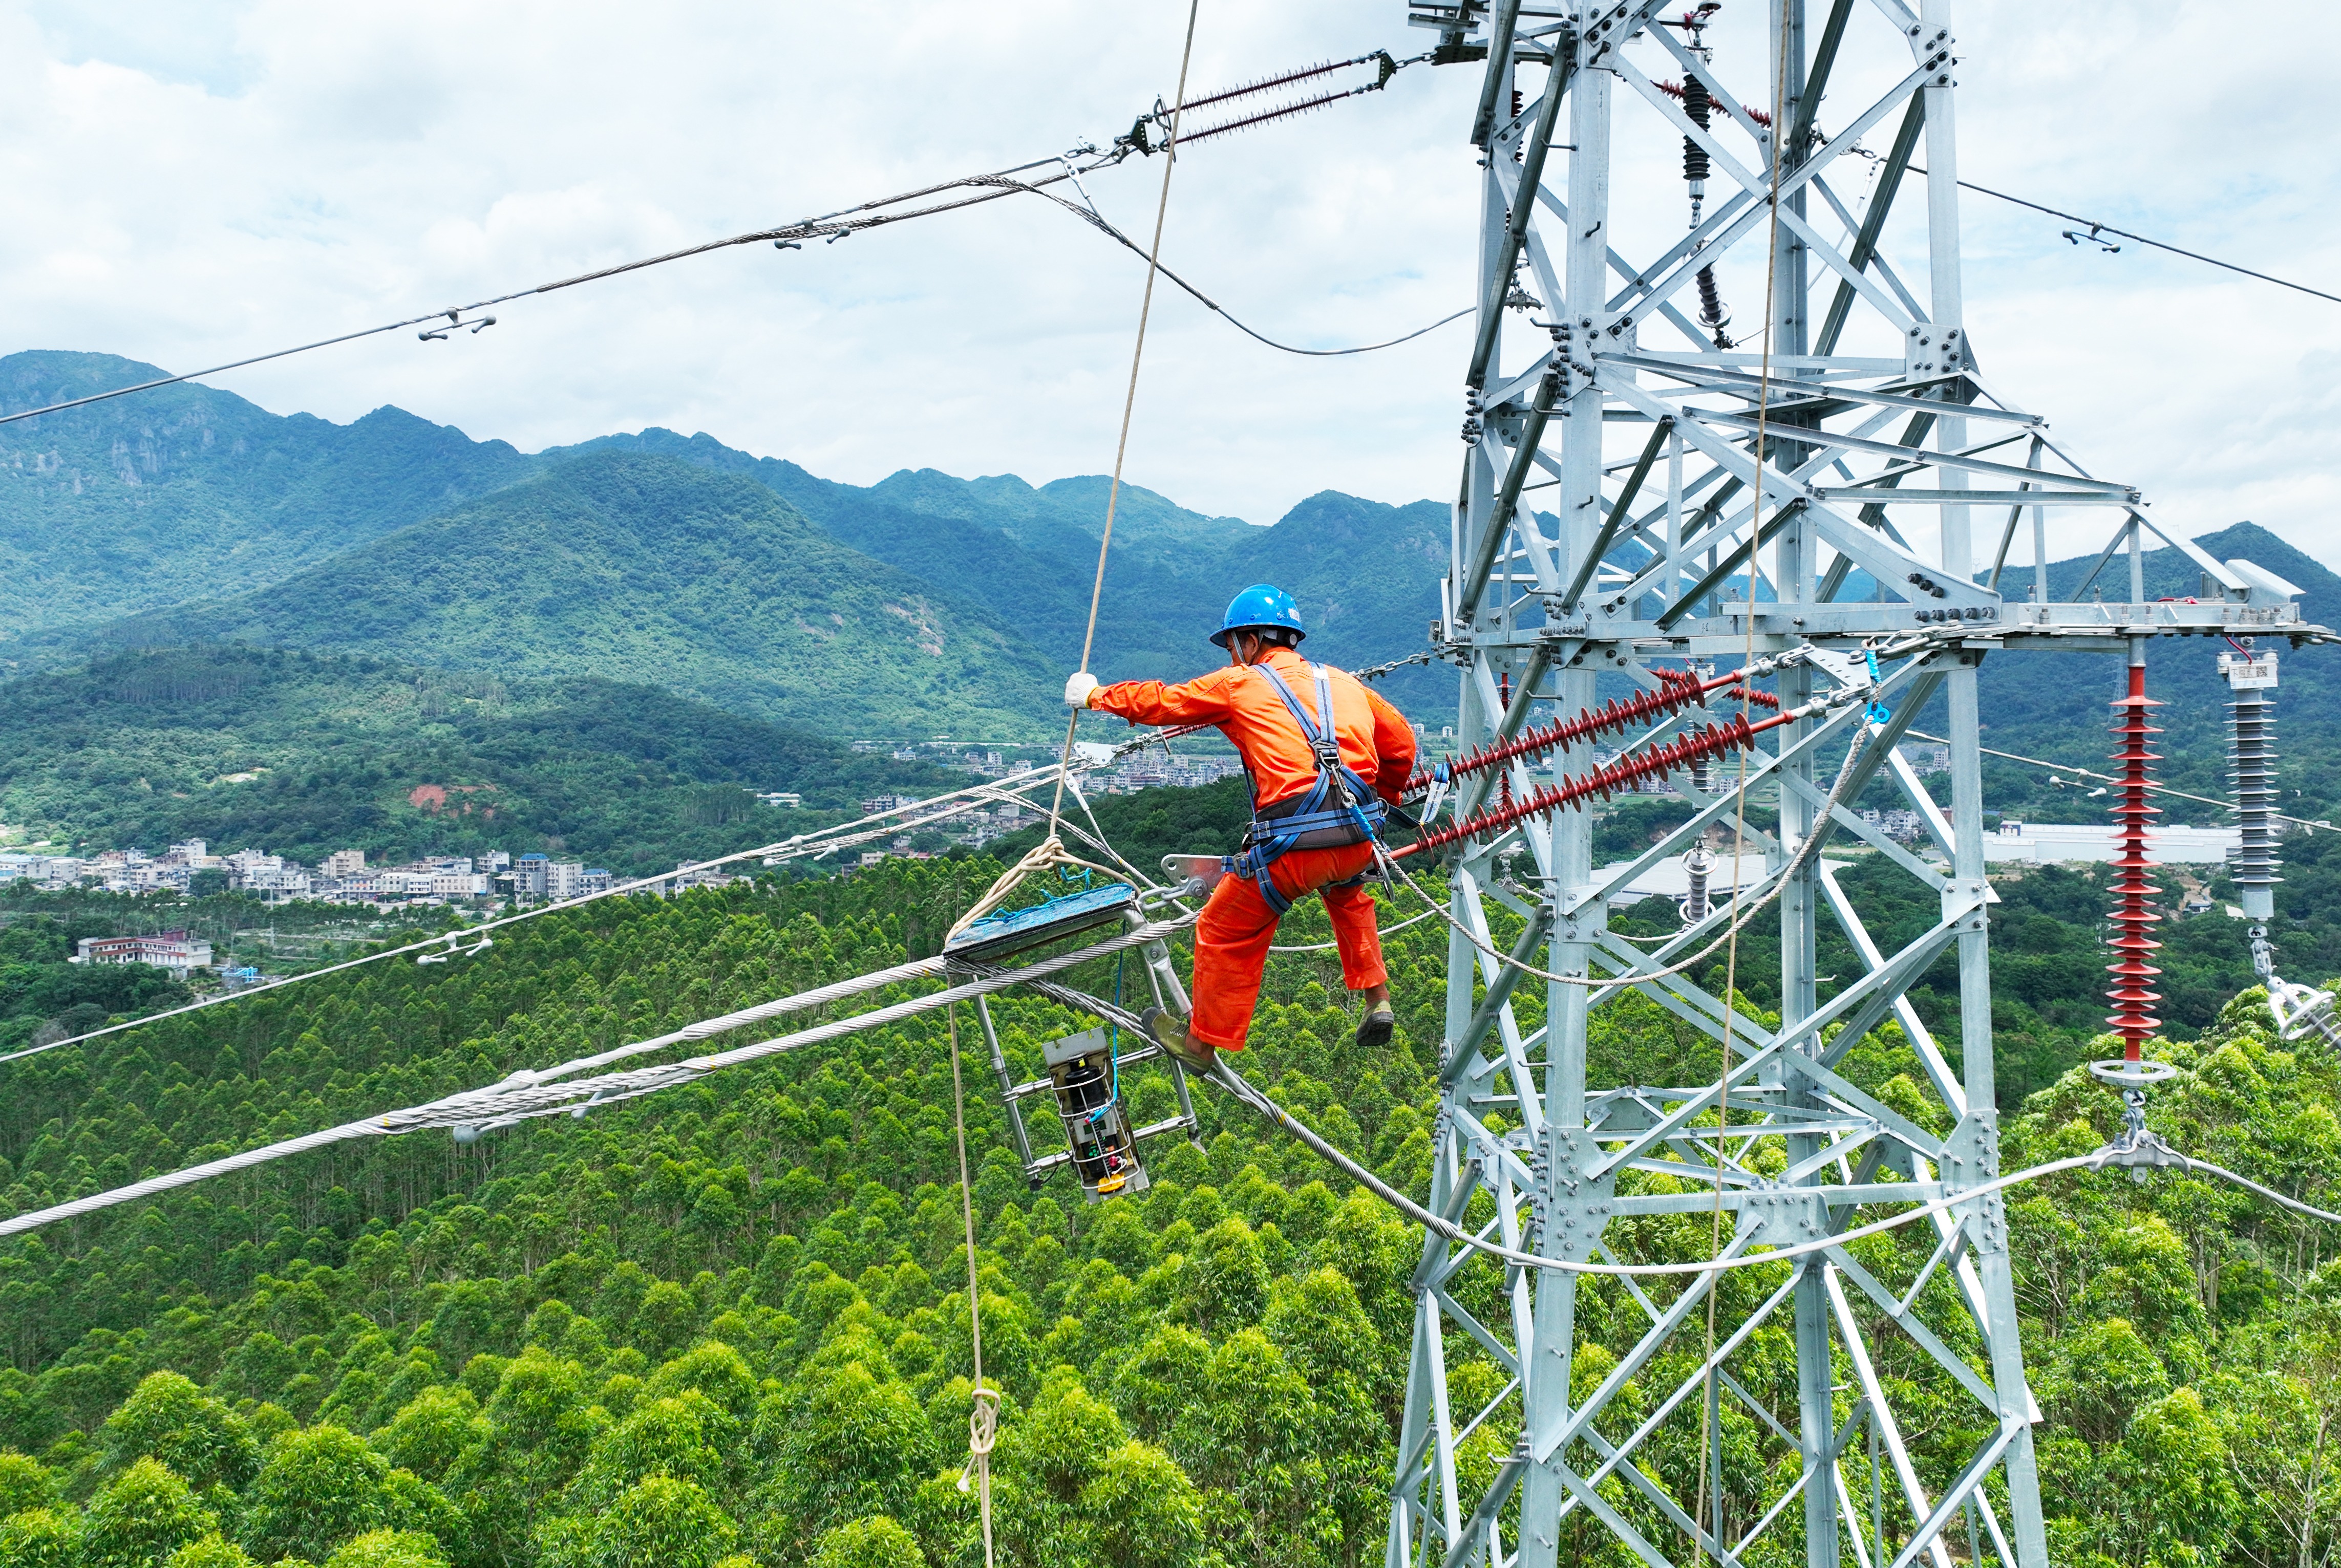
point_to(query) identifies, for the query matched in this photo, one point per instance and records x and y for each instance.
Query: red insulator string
(1732, 733)
(1675, 90)
(1678, 689)
(2132, 974)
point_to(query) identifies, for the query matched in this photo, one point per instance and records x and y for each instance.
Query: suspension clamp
(2140, 1151)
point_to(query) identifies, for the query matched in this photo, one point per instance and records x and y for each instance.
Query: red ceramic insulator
(2130, 995)
(1673, 756)
(1678, 689)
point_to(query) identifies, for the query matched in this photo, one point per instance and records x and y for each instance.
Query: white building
(177, 951)
(2048, 843)
(275, 883)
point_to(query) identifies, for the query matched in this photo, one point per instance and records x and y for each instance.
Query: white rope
(1050, 852)
(983, 1421)
(1386, 931)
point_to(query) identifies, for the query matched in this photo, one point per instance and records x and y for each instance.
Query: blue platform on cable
(1011, 931)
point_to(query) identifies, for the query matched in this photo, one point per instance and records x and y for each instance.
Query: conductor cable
(1223, 1073)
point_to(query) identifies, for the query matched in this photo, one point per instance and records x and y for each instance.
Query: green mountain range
(675, 566)
(645, 569)
(922, 605)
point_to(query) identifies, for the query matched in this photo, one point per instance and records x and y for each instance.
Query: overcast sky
(191, 181)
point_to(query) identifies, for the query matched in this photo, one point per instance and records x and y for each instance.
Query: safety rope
(1130, 395)
(1386, 930)
(983, 1421)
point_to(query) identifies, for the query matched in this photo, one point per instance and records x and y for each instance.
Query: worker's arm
(1393, 744)
(1202, 701)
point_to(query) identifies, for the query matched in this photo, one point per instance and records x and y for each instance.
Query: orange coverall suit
(1231, 938)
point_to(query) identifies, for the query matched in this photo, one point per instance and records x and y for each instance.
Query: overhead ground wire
(2096, 228)
(827, 226)
(2116, 778)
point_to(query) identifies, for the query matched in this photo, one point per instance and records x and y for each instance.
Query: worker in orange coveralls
(1318, 801)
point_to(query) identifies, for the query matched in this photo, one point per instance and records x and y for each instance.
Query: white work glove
(1079, 688)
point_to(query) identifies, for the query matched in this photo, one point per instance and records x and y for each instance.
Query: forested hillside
(730, 1320)
(302, 754)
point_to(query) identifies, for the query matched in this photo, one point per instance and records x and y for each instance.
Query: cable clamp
(455, 320)
(2139, 1150)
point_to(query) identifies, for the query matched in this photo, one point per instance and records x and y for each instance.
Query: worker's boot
(1182, 1047)
(1374, 1029)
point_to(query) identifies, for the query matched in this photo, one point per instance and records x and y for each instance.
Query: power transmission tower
(1612, 515)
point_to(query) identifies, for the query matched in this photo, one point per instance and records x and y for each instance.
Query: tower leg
(1987, 1234)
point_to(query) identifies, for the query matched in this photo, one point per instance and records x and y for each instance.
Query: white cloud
(194, 181)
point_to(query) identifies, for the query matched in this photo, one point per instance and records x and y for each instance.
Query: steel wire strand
(1098, 222)
(1810, 847)
(495, 1108)
(505, 1104)
(816, 844)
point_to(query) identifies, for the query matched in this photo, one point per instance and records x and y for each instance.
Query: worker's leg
(1351, 911)
(1232, 942)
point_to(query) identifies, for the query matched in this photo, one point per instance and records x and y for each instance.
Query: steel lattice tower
(1611, 517)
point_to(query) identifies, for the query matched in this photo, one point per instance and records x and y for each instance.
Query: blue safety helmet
(1263, 607)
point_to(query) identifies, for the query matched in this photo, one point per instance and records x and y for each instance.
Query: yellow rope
(1049, 852)
(983, 1421)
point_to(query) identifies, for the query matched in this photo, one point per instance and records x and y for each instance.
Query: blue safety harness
(1339, 808)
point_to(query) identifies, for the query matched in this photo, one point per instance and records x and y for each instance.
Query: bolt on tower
(1617, 522)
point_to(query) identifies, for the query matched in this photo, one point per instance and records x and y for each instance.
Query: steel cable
(815, 845)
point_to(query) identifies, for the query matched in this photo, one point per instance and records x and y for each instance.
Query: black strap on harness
(1339, 808)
